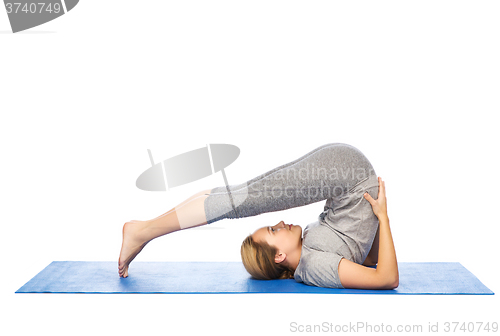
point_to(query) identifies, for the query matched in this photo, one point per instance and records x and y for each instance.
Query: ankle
(137, 232)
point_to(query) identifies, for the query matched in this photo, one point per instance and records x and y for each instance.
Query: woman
(335, 251)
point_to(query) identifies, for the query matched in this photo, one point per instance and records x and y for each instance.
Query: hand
(379, 205)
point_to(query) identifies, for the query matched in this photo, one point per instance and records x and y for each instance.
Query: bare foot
(132, 244)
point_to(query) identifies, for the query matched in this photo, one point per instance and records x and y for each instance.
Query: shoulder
(318, 268)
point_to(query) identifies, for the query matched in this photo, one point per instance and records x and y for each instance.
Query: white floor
(82, 98)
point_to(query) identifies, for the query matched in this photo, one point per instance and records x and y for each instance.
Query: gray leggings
(327, 173)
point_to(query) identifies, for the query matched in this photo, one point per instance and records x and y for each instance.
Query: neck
(294, 257)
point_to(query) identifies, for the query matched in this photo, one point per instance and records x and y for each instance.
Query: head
(272, 252)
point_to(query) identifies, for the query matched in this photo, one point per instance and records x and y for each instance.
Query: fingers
(381, 192)
(381, 186)
(369, 198)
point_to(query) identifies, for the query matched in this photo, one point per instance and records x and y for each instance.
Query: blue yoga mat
(231, 277)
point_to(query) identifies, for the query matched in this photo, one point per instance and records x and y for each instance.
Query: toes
(123, 272)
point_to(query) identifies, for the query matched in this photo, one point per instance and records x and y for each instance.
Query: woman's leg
(195, 210)
(136, 234)
(319, 175)
(327, 172)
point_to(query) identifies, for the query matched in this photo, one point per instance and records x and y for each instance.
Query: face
(286, 238)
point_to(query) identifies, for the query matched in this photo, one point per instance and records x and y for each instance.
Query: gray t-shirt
(345, 229)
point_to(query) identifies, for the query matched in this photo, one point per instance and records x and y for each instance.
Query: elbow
(391, 283)
(394, 283)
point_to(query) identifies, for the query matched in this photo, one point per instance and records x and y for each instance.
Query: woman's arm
(386, 275)
(372, 257)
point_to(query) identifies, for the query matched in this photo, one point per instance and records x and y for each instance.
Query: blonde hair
(258, 259)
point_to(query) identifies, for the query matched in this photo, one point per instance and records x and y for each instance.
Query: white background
(414, 85)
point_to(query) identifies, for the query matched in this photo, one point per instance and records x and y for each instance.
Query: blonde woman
(335, 251)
